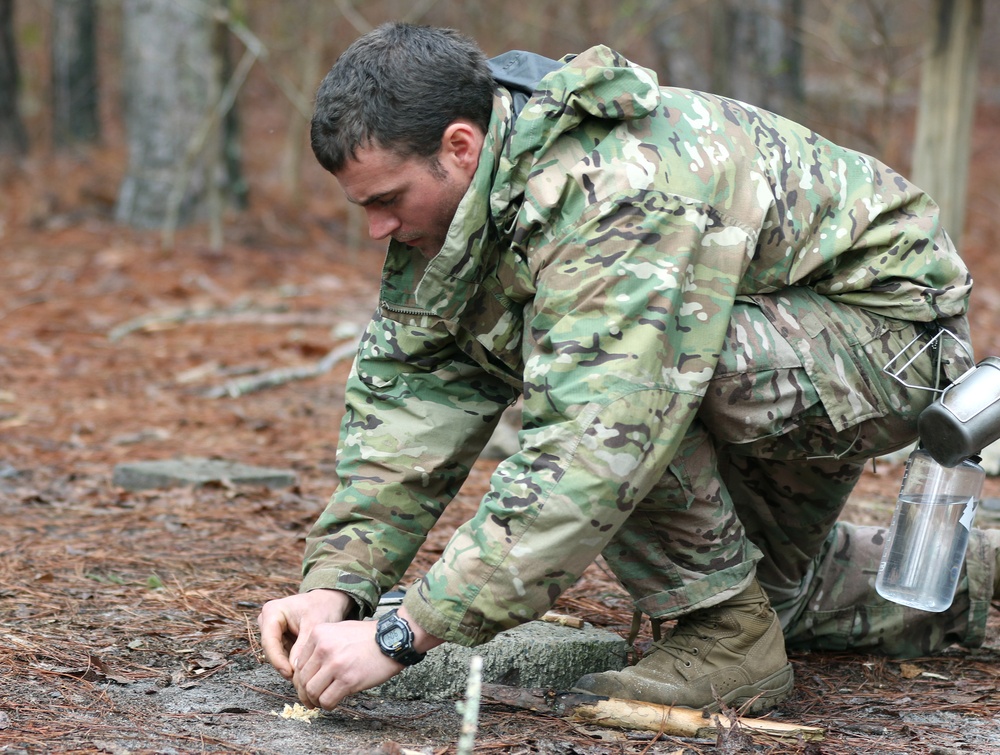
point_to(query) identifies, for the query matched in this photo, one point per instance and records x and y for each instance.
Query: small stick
(470, 708)
(630, 714)
(563, 620)
(243, 386)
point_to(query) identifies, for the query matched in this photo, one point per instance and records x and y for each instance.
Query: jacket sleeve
(418, 414)
(631, 309)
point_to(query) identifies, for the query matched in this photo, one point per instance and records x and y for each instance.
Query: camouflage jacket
(591, 267)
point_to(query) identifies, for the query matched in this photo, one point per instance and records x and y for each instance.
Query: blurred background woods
(161, 114)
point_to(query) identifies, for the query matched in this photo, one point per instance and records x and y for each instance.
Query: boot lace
(688, 637)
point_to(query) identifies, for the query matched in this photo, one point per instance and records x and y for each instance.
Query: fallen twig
(631, 714)
(240, 312)
(563, 620)
(243, 386)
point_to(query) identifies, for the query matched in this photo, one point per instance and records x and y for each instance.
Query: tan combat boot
(733, 652)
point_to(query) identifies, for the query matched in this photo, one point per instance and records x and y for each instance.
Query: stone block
(144, 475)
(537, 654)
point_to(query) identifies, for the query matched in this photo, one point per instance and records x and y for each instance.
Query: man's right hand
(288, 621)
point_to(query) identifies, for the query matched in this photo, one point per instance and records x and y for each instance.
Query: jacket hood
(597, 83)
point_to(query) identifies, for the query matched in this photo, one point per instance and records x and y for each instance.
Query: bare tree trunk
(74, 72)
(213, 144)
(171, 78)
(947, 106)
(721, 43)
(13, 137)
(677, 55)
(310, 62)
(237, 191)
(758, 51)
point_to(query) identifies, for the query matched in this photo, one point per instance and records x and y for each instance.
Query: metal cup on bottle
(966, 417)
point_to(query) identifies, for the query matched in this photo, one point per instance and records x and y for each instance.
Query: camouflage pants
(798, 404)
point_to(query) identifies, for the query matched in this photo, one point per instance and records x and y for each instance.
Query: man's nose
(381, 224)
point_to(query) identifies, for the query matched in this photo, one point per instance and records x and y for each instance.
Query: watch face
(393, 636)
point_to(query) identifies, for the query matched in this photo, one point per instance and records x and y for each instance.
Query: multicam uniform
(695, 299)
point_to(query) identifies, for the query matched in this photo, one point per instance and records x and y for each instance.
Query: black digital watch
(395, 639)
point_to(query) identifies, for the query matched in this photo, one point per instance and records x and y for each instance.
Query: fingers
(320, 664)
(336, 660)
(289, 620)
(301, 653)
(316, 685)
(274, 627)
(324, 689)
(326, 658)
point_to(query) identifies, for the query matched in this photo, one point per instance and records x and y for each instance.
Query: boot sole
(762, 695)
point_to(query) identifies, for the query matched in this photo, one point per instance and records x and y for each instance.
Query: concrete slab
(537, 654)
(145, 475)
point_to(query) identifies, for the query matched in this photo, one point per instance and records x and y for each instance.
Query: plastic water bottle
(926, 543)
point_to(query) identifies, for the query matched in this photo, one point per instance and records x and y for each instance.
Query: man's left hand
(338, 659)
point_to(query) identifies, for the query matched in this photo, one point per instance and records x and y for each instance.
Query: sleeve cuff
(364, 592)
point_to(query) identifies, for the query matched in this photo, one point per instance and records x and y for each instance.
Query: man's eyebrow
(369, 200)
(364, 202)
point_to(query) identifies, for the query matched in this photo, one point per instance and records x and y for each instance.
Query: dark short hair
(398, 88)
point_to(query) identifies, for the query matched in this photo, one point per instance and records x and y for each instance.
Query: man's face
(410, 199)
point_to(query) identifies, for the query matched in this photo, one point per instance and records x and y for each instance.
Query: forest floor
(127, 619)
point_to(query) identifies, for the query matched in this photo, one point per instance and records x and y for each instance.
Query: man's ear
(461, 144)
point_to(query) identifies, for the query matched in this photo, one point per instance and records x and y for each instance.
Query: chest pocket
(491, 330)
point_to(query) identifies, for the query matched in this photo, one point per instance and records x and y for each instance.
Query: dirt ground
(127, 618)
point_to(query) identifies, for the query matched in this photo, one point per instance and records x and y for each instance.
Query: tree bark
(171, 77)
(13, 137)
(677, 55)
(310, 64)
(947, 106)
(236, 188)
(758, 53)
(75, 117)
